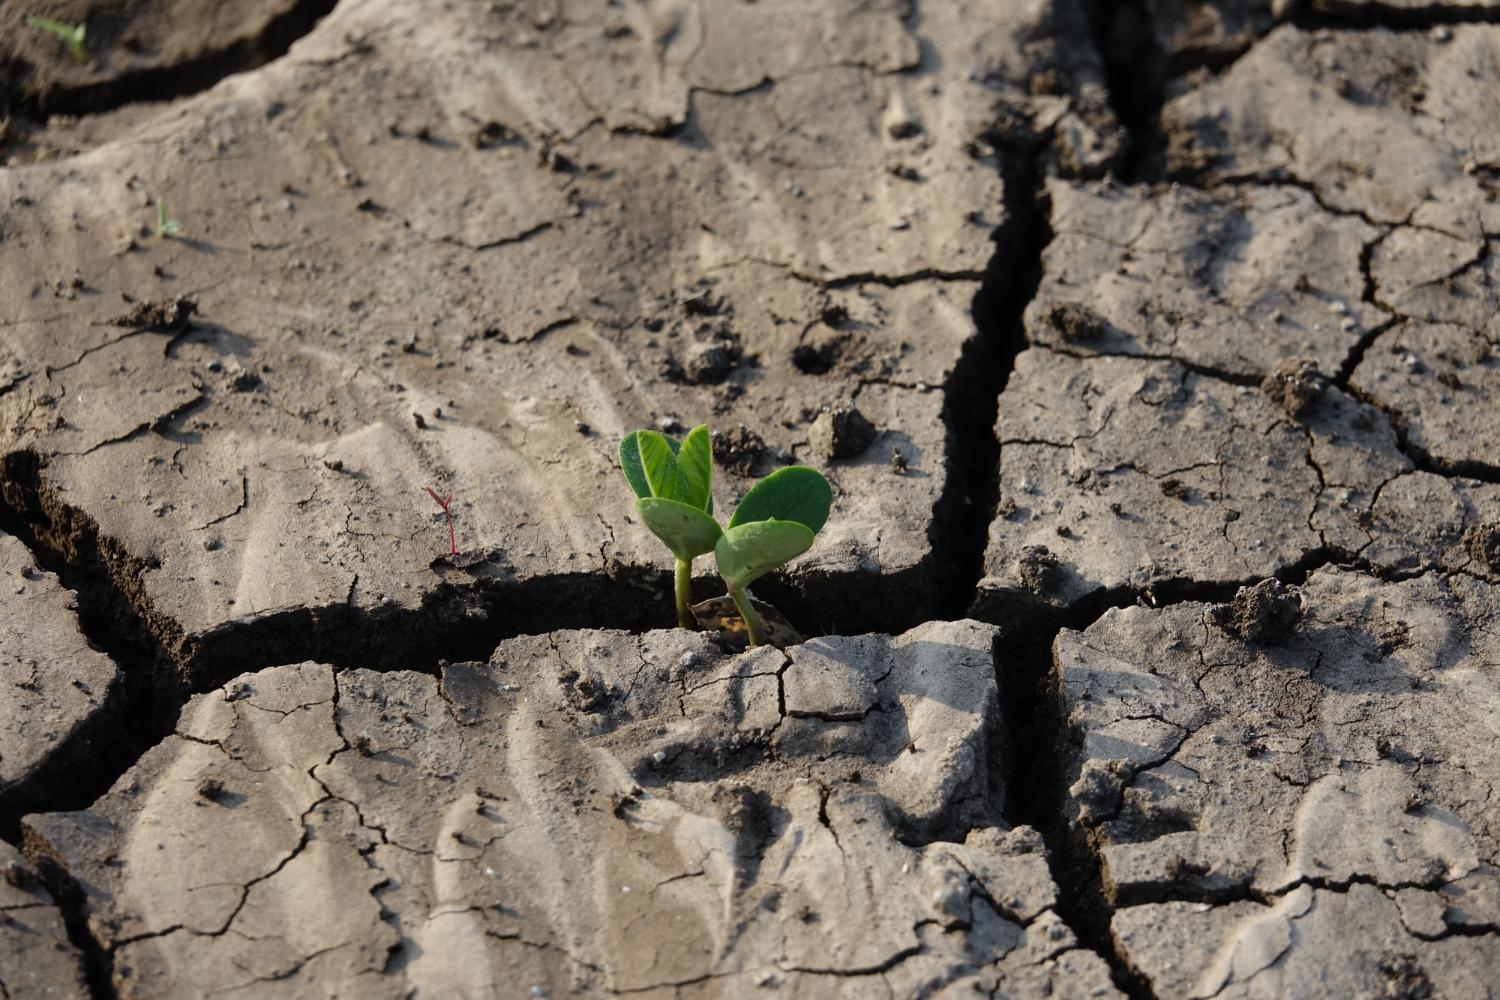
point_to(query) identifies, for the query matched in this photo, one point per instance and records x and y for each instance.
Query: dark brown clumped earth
(1151, 351)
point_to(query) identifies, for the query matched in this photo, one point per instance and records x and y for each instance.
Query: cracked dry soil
(1151, 349)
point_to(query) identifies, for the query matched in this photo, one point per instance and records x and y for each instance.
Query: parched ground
(1151, 348)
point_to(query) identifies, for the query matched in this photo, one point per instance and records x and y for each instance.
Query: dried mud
(1149, 347)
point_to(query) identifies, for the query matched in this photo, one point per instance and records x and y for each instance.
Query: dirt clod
(1266, 613)
(1296, 386)
(159, 315)
(1038, 568)
(740, 450)
(1482, 542)
(1076, 324)
(842, 432)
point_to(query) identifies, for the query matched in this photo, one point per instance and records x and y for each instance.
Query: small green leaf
(686, 530)
(695, 468)
(72, 34)
(630, 464)
(795, 493)
(750, 551)
(659, 460)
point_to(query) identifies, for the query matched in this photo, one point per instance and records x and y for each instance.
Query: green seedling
(774, 524)
(672, 482)
(69, 34)
(166, 228)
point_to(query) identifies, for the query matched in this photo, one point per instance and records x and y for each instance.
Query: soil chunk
(1373, 835)
(1483, 544)
(160, 316)
(1267, 612)
(36, 958)
(750, 818)
(59, 698)
(842, 432)
(1296, 386)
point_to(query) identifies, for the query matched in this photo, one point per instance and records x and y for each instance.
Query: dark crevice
(165, 83)
(462, 618)
(1333, 14)
(1136, 74)
(98, 964)
(1033, 767)
(1420, 458)
(1028, 762)
(136, 713)
(971, 401)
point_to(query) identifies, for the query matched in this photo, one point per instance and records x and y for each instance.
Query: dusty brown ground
(1154, 646)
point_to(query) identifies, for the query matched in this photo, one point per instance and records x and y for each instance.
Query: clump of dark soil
(160, 315)
(1075, 323)
(1039, 569)
(842, 432)
(1482, 542)
(741, 450)
(1267, 612)
(1296, 386)
(712, 353)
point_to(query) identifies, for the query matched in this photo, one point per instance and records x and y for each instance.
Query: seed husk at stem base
(748, 615)
(684, 581)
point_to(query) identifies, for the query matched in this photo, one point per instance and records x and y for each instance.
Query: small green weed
(166, 228)
(673, 486)
(775, 522)
(70, 34)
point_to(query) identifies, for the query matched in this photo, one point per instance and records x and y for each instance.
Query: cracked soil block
(470, 249)
(60, 698)
(588, 813)
(36, 959)
(1310, 815)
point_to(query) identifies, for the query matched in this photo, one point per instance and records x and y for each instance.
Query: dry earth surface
(1151, 349)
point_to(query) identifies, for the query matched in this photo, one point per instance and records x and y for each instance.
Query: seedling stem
(447, 504)
(751, 617)
(685, 617)
(165, 227)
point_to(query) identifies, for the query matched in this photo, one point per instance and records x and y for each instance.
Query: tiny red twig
(446, 504)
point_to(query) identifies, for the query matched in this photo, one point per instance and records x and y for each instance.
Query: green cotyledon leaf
(686, 530)
(695, 465)
(659, 461)
(795, 493)
(746, 553)
(630, 464)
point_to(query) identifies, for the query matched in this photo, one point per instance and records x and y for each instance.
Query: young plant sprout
(166, 228)
(70, 34)
(672, 483)
(774, 523)
(446, 502)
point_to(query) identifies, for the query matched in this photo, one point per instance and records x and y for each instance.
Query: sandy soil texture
(1151, 349)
